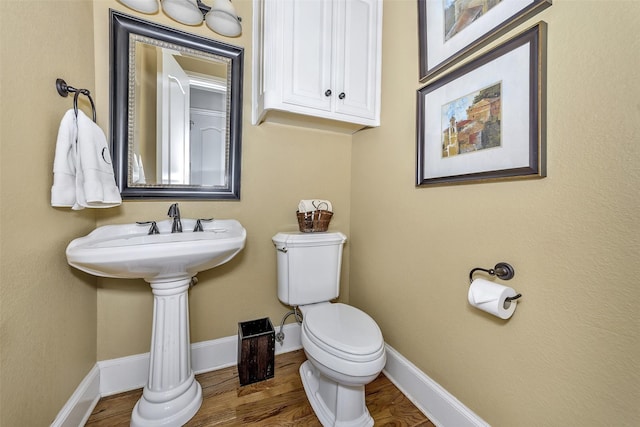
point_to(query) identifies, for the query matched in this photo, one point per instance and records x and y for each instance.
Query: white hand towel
(63, 191)
(95, 183)
(314, 204)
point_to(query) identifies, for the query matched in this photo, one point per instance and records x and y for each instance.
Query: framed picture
(486, 120)
(449, 30)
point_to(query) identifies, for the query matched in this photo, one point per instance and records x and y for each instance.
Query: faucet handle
(174, 211)
(198, 226)
(154, 227)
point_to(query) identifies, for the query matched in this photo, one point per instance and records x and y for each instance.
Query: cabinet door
(307, 53)
(357, 49)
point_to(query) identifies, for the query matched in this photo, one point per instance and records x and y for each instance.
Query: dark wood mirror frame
(121, 27)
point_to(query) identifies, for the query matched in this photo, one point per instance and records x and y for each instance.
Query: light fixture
(184, 11)
(220, 18)
(144, 6)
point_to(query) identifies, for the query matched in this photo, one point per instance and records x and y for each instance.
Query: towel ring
(64, 89)
(75, 102)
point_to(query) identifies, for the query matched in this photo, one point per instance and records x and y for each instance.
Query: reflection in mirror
(176, 114)
(187, 103)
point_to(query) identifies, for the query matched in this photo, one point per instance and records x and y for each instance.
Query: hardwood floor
(279, 401)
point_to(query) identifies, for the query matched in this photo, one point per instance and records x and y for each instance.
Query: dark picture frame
(471, 29)
(487, 119)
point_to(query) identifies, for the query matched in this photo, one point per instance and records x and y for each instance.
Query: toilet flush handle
(281, 249)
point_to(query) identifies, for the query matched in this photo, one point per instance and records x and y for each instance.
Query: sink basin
(127, 251)
(168, 261)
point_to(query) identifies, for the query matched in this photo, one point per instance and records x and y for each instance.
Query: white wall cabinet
(318, 58)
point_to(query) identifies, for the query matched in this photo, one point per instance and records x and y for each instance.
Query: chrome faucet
(174, 212)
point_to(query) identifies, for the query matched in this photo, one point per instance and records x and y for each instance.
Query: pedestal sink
(168, 261)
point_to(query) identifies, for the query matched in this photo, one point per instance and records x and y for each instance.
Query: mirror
(176, 112)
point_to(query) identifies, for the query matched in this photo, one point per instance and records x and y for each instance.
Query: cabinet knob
(342, 95)
(327, 92)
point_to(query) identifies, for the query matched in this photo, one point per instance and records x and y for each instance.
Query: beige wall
(47, 310)
(569, 355)
(280, 166)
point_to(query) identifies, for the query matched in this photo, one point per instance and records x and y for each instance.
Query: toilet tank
(308, 266)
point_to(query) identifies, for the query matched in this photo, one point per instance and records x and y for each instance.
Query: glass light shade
(144, 6)
(222, 19)
(184, 11)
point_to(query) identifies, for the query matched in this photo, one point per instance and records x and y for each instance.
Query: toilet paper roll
(490, 297)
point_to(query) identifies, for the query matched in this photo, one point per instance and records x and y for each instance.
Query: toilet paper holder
(503, 271)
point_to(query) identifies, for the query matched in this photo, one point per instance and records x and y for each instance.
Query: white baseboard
(123, 374)
(440, 406)
(78, 408)
(114, 376)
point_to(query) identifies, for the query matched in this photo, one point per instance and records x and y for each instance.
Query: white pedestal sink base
(175, 412)
(167, 261)
(172, 396)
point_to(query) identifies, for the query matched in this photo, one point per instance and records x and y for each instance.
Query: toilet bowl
(345, 351)
(343, 345)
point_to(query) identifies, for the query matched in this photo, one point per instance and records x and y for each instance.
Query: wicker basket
(311, 222)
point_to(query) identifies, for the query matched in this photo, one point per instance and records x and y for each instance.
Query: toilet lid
(343, 330)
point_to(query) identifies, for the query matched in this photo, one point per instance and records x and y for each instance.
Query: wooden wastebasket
(256, 351)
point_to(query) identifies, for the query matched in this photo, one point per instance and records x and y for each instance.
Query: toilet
(343, 345)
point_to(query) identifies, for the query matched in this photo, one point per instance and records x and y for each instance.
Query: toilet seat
(344, 332)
